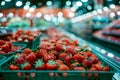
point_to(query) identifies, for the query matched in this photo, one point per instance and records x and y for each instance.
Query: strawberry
(39, 65)
(2, 42)
(20, 60)
(27, 51)
(31, 38)
(59, 47)
(42, 53)
(26, 66)
(31, 58)
(5, 48)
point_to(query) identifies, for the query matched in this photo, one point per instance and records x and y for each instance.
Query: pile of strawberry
(58, 52)
(23, 36)
(7, 47)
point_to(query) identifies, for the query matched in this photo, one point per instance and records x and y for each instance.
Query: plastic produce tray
(33, 44)
(44, 74)
(71, 75)
(23, 46)
(2, 58)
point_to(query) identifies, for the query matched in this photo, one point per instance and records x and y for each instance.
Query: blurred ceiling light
(95, 12)
(60, 14)
(31, 9)
(99, 10)
(10, 15)
(39, 4)
(19, 3)
(28, 14)
(112, 14)
(89, 7)
(68, 3)
(71, 14)
(27, 3)
(47, 17)
(39, 14)
(78, 3)
(105, 8)
(84, 0)
(73, 9)
(119, 2)
(26, 7)
(3, 3)
(7, 0)
(112, 6)
(49, 3)
(1, 14)
(118, 12)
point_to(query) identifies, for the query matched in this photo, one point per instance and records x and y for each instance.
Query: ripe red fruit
(59, 47)
(26, 66)
(2, 42)
(31, 58)
(79, 68)
(42, 53)
(59, 62)
(87, 54)
(5, 48)
(92, 69)
(51, 65)
(87, 62)
(20, 60)
(31, 38)
(94, 58)
(68, 59)
(39, 65)
(75, 64)
(78, 57)
(106, 68)
(27, 51)
(48, 57)
(71, 50)
(14, 67)
(62, 55)
(63, 67)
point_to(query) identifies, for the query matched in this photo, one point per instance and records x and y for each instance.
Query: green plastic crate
(44, 75)
(33, 44)
(2, 58)
(23, 46)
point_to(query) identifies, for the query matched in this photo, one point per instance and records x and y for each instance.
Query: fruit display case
(22, 46)
(56, 74)
(32, 44)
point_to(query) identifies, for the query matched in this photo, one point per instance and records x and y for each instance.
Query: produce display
(58, 52)
(110, 34)
(7, 47)
(22, 36)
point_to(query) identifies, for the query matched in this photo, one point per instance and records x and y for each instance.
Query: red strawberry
(31, 58)
(48, 57)
(5, 48)
(78, 57)
(51, 65)
(68, 59)
(62, 55)
(2, 52)
(59, 47)
(39, 65)
(27, 51)
(42, 53)
(71, 49)
(14, 67)
(31, 38)
(2, 42)
(20, 60)
(26, 66)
